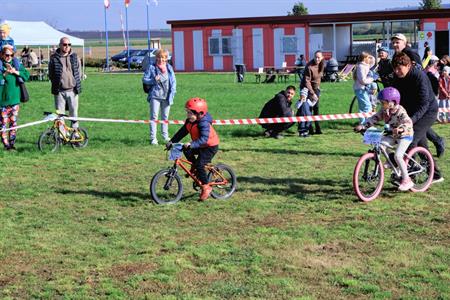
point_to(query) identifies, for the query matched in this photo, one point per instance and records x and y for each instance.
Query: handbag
(146, 87)
(24, 96)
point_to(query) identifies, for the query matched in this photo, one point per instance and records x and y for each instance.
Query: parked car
(139, 56)
(150, 58)
(122, 56)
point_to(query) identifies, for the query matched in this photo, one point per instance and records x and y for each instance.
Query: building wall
(253, 45)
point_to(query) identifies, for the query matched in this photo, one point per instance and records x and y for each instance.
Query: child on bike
(393, 114)
(205, 141)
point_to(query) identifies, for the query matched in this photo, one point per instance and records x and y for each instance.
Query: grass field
(81, 225)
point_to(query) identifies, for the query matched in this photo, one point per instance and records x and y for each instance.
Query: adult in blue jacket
(160, 77)
(417, 97)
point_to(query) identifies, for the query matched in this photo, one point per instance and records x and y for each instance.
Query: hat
(385, 49)
(446, 69)
(434, 58)
(399, 36)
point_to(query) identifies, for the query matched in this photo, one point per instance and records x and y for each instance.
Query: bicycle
(60, 134)
(166, 186)
(368, 176)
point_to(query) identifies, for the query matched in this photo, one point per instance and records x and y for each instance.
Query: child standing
(444, 94)
(5, 39)
(395, 115)
(361, 80)
(205, 141)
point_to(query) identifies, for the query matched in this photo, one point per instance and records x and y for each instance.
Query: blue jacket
(7, 41)
(149, 78)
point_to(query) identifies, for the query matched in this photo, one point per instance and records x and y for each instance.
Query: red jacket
(444, 88)
(202, 133)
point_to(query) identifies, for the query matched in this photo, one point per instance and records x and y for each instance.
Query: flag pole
(128, 36)
(106, 36)
(148, 28)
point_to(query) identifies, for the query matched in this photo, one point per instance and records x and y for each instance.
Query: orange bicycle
(166, 186)
(60, 134)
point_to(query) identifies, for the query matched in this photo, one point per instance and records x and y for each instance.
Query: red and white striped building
(218, 44)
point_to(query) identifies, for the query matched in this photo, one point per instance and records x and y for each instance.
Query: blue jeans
(155, 107)
(304, 110)
(364, 104)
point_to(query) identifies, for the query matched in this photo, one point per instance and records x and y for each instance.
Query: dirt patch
(122, 272)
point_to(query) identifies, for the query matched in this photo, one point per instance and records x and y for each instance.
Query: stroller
(331, 71)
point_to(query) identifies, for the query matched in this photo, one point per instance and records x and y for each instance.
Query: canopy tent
(39, 34)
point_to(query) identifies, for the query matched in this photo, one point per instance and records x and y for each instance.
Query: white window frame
(294, 39)
(221, 41)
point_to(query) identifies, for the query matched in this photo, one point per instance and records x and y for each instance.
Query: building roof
(382, 15)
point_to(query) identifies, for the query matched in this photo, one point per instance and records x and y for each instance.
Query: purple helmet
(390, 94)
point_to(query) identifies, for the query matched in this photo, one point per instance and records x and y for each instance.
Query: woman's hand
(157, 77)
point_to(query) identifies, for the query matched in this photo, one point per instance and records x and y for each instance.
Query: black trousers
(421, 128)
(199, 158)
(433, 137)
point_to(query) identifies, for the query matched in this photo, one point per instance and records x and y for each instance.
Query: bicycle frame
(185, 165)
(66, 138)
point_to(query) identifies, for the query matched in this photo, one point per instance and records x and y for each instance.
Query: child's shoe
(206, 191)
(406, 185)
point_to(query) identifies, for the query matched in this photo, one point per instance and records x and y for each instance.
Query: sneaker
(206, 191)
(303, 134)
(406, 185)
(440, 147)
(437, 179)
(277, 136)
(311, 131)
(318, 131)
(154, 142)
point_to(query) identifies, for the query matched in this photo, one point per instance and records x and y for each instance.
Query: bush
(95, 62)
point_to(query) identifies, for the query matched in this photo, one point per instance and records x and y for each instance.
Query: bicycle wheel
(368, 177)
(49, 140)
(353, 106)
(221, 172)
(81, 140)
(166, 187)
(421, 168)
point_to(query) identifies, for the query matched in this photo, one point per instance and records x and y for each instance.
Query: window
(289, 44)
(220, 45)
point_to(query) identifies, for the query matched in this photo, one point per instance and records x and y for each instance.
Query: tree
(430, 4)
(300, 9)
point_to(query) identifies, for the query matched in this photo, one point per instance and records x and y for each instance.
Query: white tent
(39, 34)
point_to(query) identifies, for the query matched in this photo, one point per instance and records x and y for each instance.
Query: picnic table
(38, 74)
(281, 73)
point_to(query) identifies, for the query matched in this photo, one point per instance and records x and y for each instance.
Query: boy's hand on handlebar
(397, 131)
(186, 145)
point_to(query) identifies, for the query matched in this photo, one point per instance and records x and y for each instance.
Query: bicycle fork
(170, 177)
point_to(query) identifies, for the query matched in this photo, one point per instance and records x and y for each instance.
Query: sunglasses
(65, 44)
(9, 55)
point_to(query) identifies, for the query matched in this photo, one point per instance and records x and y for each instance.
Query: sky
(89, 14)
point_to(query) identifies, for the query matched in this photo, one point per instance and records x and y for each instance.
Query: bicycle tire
(368, 177)
(423, 180)
(49, 141)
(353, 106)
(85, 139)
(223, 192)
(163, 191)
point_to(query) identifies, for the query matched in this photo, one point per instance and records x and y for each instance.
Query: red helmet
(197, 105)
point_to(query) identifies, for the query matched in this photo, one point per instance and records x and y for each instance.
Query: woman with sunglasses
(10, 96)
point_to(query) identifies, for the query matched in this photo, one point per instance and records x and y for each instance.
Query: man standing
(399, 41)
(311, 80)
(278, 106)
(64, 74)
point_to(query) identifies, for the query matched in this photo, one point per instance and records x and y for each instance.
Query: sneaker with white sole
(438, 179)
(154, 142)
(406, 185)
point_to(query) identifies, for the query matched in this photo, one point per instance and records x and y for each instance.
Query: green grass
(81, 225)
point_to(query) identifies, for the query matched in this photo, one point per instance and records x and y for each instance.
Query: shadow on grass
(129, 197)
(295, 152)
(121, 196)
(303, 188)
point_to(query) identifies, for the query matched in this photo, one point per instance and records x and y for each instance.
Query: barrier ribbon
(330, 117)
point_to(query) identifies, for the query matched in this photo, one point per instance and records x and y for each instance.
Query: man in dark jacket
(399, 41)
(384, 67)
(64, 74)
(312, 77)
(418, 99)
(278, 106)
